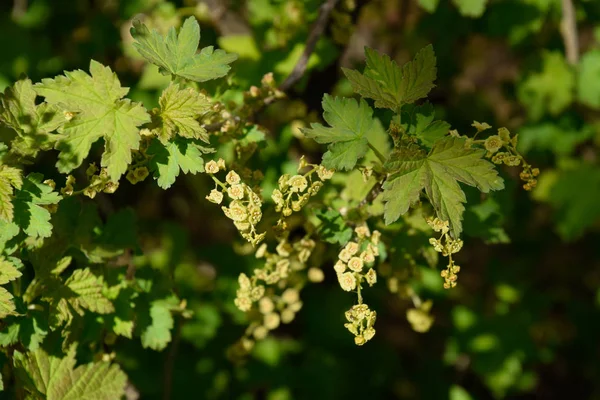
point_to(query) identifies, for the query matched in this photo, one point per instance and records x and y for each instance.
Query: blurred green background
(524, 321)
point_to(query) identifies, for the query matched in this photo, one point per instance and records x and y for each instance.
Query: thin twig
(300, 68)
(315, 33)
(569, 32)
(170, 360)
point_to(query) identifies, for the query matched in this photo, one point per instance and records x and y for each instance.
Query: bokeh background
(524, 321)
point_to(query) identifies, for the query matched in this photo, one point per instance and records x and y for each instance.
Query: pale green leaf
(470, 8)
(30, 216)
(9, 178)
(549, 91)
(100, 112)
(57, 378)
(178, 114)
(350, 122)
(123, 327)
(8, 272)
(176, 53)
(588, 80)
(418, 76)
(176, 155)
(158, 334)
(448, 163)
(7, 305)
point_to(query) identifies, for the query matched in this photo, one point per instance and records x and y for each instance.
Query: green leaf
(574, 196)
(419, 121)
(57, 378)
(176, 155)
(550, 90)
(438, 173)
(350, 122)
(470, 8)
(588, 80)
(9, 178)
(8, 230)
(32, 122)
(333, 228)
(100, 112)
(8, 272)
(158, 334)
(30, 216)
(176, 53)
(179, 110)
(392, 86)
(82, 291)
(7, 305)
(429, 5)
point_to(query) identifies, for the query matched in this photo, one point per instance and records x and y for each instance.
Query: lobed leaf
(448, 163)
(100, 112)
(176, 53)
(350, 122)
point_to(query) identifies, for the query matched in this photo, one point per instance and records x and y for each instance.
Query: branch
(569, 32)
(316, 31)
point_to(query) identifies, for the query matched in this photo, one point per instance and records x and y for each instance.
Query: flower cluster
(511, 156)
(360, 322)
(245, 206)
(355, 266)
(248, 292)
(446, 245)
(99, 182)
(293, 192)
(419, 317)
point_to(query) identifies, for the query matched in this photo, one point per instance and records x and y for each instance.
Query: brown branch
(569, 32)
(315, 33)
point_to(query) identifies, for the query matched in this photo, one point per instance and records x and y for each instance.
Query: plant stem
(377, 153)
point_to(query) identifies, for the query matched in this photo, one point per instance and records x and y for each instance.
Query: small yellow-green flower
(493, 143)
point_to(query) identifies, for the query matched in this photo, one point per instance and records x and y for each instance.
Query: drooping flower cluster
(245, 206)
(293, 192)
(269, 287)
(446, 245)
(511, 156)
(355, 266)
(360, 323)
(99, 182)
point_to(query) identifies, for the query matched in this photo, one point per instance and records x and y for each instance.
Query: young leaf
(392, 86)
(32, 122)
(448, 163)
(350, 122)
(176, 54)
(30, 216)
(57, 378)
(100, 112)
(179, 110)
(179, 154)
(419, 121)
(9, 178)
